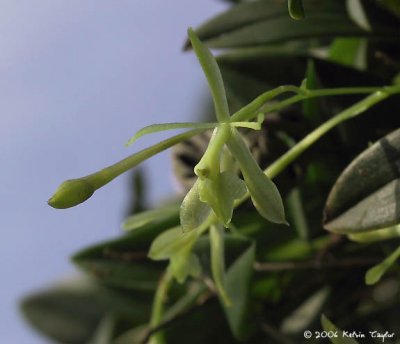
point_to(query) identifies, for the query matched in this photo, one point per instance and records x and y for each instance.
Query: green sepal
(155, 128)
(264, 194)
(193, 211)
(213, 75)
(220, 192)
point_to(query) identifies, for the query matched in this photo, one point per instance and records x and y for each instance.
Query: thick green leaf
(141, 275)
(237, 283)
(123, 262)
(155, 128)
(156, 215)
(367, 194)
(213, 75)
(193, 211)
(262, 22)
(264, 193)
(328, 326)
(375, 273)
(221, 192)
(252, 12)
(281, 29)
(73, 312)
(68, 315)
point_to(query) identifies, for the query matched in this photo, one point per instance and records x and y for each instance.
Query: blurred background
(77, 79)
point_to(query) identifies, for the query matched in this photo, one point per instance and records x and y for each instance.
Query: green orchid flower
(219, 190)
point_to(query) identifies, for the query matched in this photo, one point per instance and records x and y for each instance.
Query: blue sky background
(77, 79)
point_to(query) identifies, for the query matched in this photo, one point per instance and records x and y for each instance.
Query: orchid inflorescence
(209, 204)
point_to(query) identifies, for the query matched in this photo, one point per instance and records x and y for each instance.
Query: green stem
(75, 191)
(279, 165)
(251, 110)
(157, 311)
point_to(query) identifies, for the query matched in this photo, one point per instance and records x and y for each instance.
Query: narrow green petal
(213, 75)
(155, 128)
(264, 193)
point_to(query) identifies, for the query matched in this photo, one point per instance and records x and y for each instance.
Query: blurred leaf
(376, 235)
(193, 211)
(237, 282)
(367, 194)
(375, 273)
(133, 336)
(357, 13)
(72, 312)
(350, 52)
(170, 242)
(68, 315)
(204, 324)
(328, 326)
(392, 5)
(177, 246)
(123, 262)
(296, 213)
(213, 75)
(150, 216)
(141, 275)
(104, 332)
(304, 315)
(246, 14)
(311, 107)
(261, 22)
